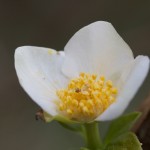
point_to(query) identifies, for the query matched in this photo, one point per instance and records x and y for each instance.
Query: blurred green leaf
(120, 126)
(127, 142)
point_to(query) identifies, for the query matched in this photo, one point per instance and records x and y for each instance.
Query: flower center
(86, 97)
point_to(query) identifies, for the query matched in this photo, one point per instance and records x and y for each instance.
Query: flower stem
(92, 136)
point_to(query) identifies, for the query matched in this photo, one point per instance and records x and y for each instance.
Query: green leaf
(128, 142)
(120, 126)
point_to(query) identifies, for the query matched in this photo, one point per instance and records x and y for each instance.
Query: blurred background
(51, 23)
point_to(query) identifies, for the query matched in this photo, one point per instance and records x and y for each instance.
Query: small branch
(145, 109)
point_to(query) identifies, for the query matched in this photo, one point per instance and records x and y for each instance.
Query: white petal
(39, 73)
(130, 81)
(96, 48)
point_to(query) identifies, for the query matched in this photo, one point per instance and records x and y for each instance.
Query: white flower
(67, 82)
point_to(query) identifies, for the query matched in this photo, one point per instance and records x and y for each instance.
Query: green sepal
(65, 120)
(128, 141)
(120, 126)
(48, 118)
(72, 127)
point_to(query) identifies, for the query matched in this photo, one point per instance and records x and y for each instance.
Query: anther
(86, 97)
(77, 90)
(69, 111)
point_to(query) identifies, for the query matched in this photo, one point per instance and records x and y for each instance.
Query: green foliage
(128, 141)
(118, 136)
(120, 126)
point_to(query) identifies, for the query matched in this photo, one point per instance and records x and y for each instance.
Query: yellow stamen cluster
(86, 97)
